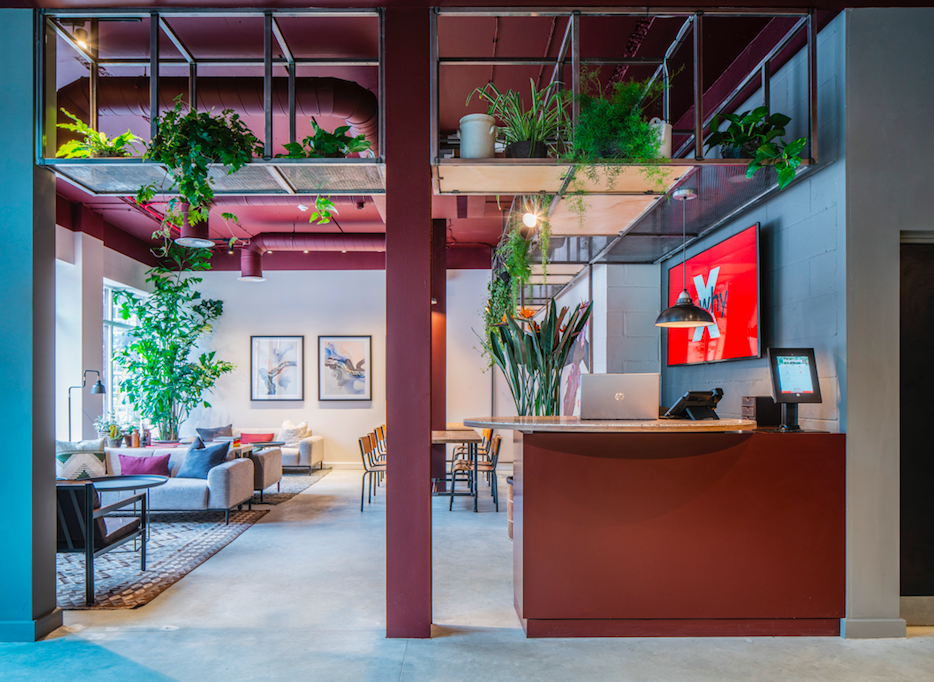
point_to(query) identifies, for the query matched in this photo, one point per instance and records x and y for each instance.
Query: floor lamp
(98, 388)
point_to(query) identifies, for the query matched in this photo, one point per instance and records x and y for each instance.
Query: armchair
(79, 509)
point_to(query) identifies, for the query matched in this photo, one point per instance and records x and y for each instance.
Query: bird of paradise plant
(532, 356)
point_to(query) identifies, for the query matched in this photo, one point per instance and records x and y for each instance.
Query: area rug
(179, 542)
(291, 485)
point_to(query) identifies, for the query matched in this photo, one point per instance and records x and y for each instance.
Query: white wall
(313, 303)
(626, 300)
(332, 303)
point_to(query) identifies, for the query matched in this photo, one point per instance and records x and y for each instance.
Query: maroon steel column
(408, 323)
(439, 286)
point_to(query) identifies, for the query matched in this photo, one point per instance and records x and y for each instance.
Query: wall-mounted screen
(724, 280)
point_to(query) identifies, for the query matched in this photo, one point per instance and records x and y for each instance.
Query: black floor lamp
(98, 388)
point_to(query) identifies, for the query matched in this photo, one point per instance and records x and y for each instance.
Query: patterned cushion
(83, 459)
(291, 435)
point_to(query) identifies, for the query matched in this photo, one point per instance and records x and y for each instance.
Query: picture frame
(277, 368)
(345, 368)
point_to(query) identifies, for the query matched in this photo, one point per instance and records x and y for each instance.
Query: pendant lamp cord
(683, 244)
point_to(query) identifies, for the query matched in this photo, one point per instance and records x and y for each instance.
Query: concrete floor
(300, 595)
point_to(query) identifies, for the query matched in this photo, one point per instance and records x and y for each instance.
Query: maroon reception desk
(676, 528)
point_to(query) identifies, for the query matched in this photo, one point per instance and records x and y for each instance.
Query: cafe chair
(371, 466)
(489, 468)
(79, 509)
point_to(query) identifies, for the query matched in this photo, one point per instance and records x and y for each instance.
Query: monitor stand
(789, 418)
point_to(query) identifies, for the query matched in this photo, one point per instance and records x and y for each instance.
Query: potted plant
(532, 356)
(322, 144)
(187, 143)
(94, 144)
(755, 135)
(166, 377)
(528, 133)
(108, 428)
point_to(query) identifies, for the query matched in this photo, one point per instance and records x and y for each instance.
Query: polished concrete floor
(300, 596)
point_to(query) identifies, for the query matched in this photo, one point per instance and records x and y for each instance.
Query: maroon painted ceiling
(725, 40)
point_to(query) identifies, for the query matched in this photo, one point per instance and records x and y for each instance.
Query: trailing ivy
(187, 143)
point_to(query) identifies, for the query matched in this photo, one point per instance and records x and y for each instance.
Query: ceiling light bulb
(229, 252)
(269, 251)
(529, 219)
(302, 207)
(343, 252)
(304, 252)
(81, 37)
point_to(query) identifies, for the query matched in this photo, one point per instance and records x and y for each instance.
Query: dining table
(471, 439)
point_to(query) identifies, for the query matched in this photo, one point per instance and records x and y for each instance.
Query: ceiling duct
(251, 265)
(129, 96)
(289, 241)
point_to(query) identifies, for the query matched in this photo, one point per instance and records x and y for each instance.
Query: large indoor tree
(165, 376)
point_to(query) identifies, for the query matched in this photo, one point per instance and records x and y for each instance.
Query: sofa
(228, 485)
(308, 454)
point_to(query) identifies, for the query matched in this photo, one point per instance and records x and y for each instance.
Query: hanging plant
(322, 144)
(187, 143)
(755, 135)
(501, 301)
(94, 144)
(611, 130)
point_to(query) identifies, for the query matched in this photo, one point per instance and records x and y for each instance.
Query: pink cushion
(157, 465)
(246, 438)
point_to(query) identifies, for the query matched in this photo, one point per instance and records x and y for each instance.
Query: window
(116, 338)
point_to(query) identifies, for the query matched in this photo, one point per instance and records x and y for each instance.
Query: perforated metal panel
(114, 178)
(334, 178)
(248, 180)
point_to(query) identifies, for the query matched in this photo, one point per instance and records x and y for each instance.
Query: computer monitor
(695, 405)
(794, 380)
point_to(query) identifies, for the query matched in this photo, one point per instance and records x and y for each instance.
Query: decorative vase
(478, 136)
(527, 150)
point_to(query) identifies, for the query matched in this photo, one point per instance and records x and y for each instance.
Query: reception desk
(666, 528)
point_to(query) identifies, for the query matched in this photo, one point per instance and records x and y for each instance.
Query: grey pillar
(27, 354)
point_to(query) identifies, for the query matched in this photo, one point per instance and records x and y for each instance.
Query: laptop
(619, 396)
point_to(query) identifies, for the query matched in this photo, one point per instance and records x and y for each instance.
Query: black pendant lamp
(684, 313)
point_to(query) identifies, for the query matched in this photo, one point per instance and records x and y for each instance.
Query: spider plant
(544, 122)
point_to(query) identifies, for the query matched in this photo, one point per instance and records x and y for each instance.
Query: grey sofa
(228, 485)
(308, 454)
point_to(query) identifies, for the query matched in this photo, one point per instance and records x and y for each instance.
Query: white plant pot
(478, 135)
(664, 135)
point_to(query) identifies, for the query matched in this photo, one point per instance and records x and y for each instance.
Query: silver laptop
(619, 396)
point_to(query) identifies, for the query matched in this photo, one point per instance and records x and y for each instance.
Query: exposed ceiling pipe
(298, 241)
(129, 96)
(283, 200)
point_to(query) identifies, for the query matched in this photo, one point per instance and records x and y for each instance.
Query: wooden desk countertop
(577, 425)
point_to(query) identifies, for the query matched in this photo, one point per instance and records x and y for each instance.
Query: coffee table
(134, 482)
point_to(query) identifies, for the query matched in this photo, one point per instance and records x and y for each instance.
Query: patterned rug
(179, 542)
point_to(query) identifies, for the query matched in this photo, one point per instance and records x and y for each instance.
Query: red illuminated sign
(724, 280)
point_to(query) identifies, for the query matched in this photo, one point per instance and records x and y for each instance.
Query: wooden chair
(79, 509)
(371, 465)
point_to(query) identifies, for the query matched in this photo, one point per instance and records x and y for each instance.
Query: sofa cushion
(246, 438)
(291, 435)
(199, 461)
(156, 464)
(82, 459)
(210, 434)
(180, 493)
